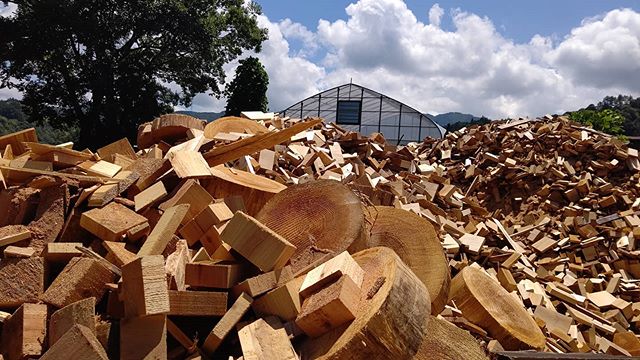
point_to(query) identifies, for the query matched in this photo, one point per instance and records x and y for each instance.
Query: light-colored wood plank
(24, 333)
(257, 243)
(62, 252)
(163, 231)
(213, 275)
(197, 303)
(111, 222)
(143, 338)
(266, 339)
(150, 196)
(122, 147)
(192, 194)
(77, 343)
(20, 235)
(144, 286)
(283, 302)
(226, 324)
(189, 165)
(118, 254)
(328, 272)
(18, 252)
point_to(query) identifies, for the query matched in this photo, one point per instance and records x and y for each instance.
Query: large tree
(107, 65)
(248, 89)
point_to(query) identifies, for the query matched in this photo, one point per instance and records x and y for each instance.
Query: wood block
(111, 222)
(62, 252)
(628, 341)
(24, 333)
(107, 192)
(81, 278)
(144, 286)
(189, 164)
(267, 159)
(329, 308)
(163, 231)
(601, 299)
(79, 313)
(143, 338)
(18, 252)
(150, 196)
(150, 170)
(213, 214)
(257, 243)
(21, 281)
(341, 265)
(102, 168)
(226, 324)
(118, 255)
(14, 237)
(266, 339)
(79, 342)
(122, 147)
(17, 140)
(190, 193)
(260, 284)
(213, 275)
(472, 242)
(543, 245)
(138, 232)
(283, 302)
(201, 255)
(191, 232)
(197, 303)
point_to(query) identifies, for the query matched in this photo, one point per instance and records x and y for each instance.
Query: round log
(318, 217)
(484, 302)
(255, 190)
(168, 127)
(445, 341)
(390, 321)
(416, 242)
(229, 124)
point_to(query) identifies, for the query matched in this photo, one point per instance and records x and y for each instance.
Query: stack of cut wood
(269, 238)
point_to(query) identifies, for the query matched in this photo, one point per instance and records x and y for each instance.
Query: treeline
(460, 124)
(13, 119)
(615, 115)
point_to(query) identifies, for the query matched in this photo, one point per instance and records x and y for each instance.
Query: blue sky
(493, 58)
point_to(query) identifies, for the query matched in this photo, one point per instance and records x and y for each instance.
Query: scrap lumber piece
(149, 196)
(175, 266)
(78, 313)
(14, 174)
(415, 240)
(254, 190)
(256, 242)
(448, 342)
(18, 252)
(24, 333)
(13, 234)
(210, 274)
(192, 194)
(487, 304)
(628, 341)
(190, 345)
(62, 252)
(262, 283)
(233, 124)
(342, 265)
(79, 342)
(21, 281)
(162, 233)
(473, 242)
(189, 165)
(167, 127)
(197, 303)
(294, 213)
(226, 324)
(283, 301)
(248, 146)
(111, 222)
(118, 254)
(392, 298)
(144, 338)
(81, 278)
(100, 168)
(122, 147)
(50, 216)
(18, 140)
(107, 192)
(330, 307)
(144, 286)
(266, 339)
(150, 170)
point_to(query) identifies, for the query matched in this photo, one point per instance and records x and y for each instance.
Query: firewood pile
(268, 238)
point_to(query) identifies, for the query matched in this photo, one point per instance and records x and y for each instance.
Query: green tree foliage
(12, 119)
(108, 65)
(628, 107)
(460, 124)
(609, 121)
(248, 90)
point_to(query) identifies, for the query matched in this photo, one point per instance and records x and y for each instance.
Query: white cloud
(435, 14)
(7, 10)
(470, 68)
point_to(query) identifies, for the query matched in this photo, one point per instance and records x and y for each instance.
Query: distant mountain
(209, 116)
(453, 117)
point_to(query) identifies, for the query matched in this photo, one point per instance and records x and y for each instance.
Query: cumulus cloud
(435, 14)
(471, 67)
(7, 10)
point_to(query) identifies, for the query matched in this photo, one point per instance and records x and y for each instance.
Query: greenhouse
(357, 108)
